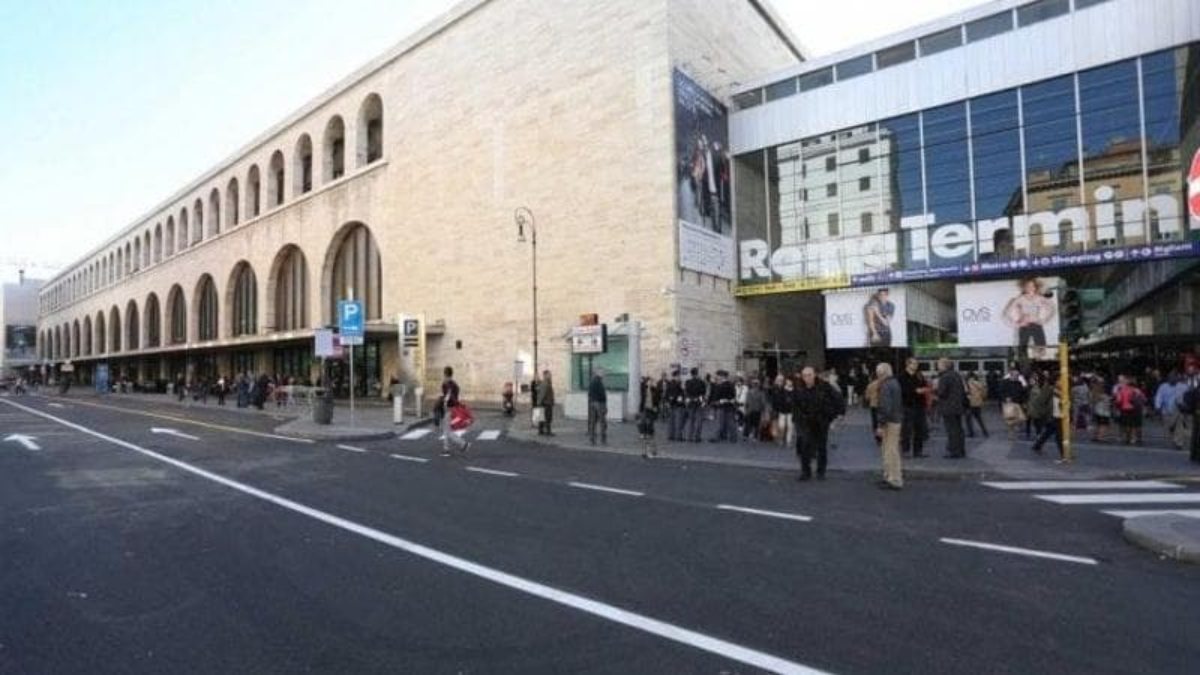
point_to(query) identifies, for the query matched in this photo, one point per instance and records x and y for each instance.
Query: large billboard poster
(704, 198)
(1020, 313)
(867, 317)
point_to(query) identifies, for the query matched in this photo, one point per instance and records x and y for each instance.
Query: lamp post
(524, 218)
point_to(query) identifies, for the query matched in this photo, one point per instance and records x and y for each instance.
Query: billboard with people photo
(866, 317)
(704, 198)
(1019, 313)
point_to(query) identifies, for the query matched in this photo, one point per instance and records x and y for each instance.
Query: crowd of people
(246, 389)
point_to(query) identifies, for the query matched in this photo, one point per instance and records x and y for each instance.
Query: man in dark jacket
(694, 397)
(951, 403)
(676, 410)
(914, 429)
(817, 404)
(723, 401)
(888, 419)
(597, 410)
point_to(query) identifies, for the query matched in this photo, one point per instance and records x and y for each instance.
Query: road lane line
(760, 512)
(1084, 485)
(1033, 553)
(492, 472)
(1191, 513)
(604, 488)
(1124, 498)
(409, 458)
(185, 420)
(489, 435)
(351, 448)
(415, 434)
(646, 624)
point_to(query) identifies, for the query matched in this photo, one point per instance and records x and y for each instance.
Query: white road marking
(351, 448)
(415, 434)
(1124, 498)
(493, 472)
(1084, 485)
(24, 440)
(173, 432)
(759, 512)
(603, 488)
(489, 435)
(56, 405)
(185, 420)
(669, 631)
(409, 458)
(1191, 513)
(1020, 551)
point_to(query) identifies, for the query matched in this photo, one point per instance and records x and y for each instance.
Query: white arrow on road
(56, 405)
(173, 432)
(27, 441)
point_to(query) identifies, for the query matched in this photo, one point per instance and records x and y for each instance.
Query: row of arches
(208, 214)
(352, 264)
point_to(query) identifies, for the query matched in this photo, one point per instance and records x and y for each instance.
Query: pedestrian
(951, 396)
(180, 388)
(891, 414)
(545, 403)
(1102, 410)
(913, 389)
(676, 409)
(818, 403)
(597, 410)
(1012, 401)
(723, 400)
(756, 405)
(446, 404)
(976, 393)
(1040, 408)
(222, 390)
(694, 397)
(783, 402)
(740, 390)
(871, 399)
(1053, 428)
(1166, 402)
(1130, 403)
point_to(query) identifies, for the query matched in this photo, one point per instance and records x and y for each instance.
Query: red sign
(1194, 186)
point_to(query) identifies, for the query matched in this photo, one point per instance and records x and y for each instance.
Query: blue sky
(111, 106)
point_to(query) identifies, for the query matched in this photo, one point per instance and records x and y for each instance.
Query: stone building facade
(399, 185)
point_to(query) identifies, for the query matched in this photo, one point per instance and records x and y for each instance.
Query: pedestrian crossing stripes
(434, 434)
(1161, 497)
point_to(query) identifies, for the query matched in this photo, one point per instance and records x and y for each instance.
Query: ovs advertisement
(1012, 313)
(868, 317)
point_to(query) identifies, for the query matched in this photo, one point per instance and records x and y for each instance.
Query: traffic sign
(350, 320)
(1194, 186)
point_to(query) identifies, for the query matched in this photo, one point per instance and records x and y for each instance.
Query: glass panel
(1084, 4)
(947, 173)
(613, 366)
(748, 99)
(996, 158)
(892, 56)
(987, 27)
(818, 78)
(1112, 146)
(1041, 10)
(1051, 162)
(781, 89)
(1164, 81)
(940, 42)
(855, 67)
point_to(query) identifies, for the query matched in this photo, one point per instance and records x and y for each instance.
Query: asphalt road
(215, 547)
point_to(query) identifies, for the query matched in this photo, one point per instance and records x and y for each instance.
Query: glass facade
(1081, 169)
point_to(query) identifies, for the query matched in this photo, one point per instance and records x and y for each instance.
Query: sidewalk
(852, 449)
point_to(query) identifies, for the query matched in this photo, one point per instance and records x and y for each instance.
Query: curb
(321, 435)
(1171, 536)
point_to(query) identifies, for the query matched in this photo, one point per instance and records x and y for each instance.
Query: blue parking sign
(350, 318)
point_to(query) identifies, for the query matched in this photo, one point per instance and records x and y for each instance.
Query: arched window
(302, 171)
(101, 334)
(88, 336)
(146, 245)
(214, 213)
(289, 290)
(158, 243)
(136, 263)
(276, 173)
(133, 327)
(170, 237)
(66, 345)
(198, 223)
(253, 192)
(153, 322)
(244, 295)
(232, 208)
(353, 264)
(182, 238)
(206, 309)
(370, 130)
(120, 264)
(333, 155)
(114, 320)
(57, 342)
(76, 345)
(177, 309)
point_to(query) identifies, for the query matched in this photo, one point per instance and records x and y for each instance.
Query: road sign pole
(1064, 382)
(351, 385)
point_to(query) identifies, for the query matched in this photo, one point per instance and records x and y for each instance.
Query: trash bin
(323, 408)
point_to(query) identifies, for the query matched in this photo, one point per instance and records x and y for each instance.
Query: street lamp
(524, 218)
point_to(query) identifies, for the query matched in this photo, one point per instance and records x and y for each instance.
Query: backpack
(1189, 402)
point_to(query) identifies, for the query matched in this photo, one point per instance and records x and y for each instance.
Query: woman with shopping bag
(452, 415)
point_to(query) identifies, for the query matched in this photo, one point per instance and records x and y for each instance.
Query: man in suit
(951, 398)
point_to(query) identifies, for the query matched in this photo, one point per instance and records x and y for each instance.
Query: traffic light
(1070, 310)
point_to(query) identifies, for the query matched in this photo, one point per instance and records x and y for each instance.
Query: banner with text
(869, 317)
(1012, 313)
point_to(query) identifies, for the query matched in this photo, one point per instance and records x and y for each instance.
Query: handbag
(461, 417)
(539, 415)
(1012, 413)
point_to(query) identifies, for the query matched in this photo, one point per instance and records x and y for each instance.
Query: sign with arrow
(173, 432)
(27, 441)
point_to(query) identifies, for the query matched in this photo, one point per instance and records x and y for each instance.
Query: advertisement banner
(704, 199)
(1019, 313)
(869, 317)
